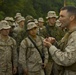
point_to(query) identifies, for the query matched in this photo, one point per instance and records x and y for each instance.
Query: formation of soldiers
(22, 51)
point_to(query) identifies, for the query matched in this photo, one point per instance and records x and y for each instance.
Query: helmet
(4, 25)
(31, 25)
(51, 14)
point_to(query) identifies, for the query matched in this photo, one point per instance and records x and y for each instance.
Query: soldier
(31, 51)
(28, 19)
(40, 25)
(19, 34)
(20, 29)
(8, 52)
(16, 18)
(11, 21)
(51, 29)
(65, 54)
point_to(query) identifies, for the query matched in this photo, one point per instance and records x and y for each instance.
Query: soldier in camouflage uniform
(8, 52)
(18, 33)
(53, 31)
(29, 57)
(11, 22)
(65, 54)
(28, 19)
(16, 18)
(40, 25)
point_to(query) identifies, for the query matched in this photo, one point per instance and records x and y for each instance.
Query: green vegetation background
(36, 8)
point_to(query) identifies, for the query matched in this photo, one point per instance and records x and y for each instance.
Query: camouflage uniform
(29, 56)
(11, 23)
(40, 26)
(8, 52)
(8, 56)
(66, 55)
(52, 31)
(19, 34)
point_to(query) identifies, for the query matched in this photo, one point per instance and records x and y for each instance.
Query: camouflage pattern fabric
(8, 56)
(67, 55)
(30, 58)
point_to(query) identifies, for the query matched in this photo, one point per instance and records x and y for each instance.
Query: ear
(72, 17)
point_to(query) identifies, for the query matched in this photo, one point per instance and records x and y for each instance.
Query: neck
(34, 37)
(72, 26)
(21, 26)
(4, 37)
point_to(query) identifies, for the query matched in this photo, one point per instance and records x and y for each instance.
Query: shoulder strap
(26, 43)
(38, 51)
(36, 48)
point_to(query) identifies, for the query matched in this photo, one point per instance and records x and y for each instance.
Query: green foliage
(36, 8)
(28, 8)
(1, 15)
(71, 2)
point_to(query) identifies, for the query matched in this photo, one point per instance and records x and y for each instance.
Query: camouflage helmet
(9, 19)
(4, 25)
(51, 14)
(41, 19)
(29, 18)
(31, 25)
(17, 15)
(20, 19)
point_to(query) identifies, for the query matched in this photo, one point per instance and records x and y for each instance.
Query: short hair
(70, 9)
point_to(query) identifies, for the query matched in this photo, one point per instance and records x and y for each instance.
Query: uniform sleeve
(66, 58)
(15, 54)
(45, 53)
(22, 54)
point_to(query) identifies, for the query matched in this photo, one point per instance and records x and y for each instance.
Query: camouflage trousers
(40, 72)
(8, 72)
(20, 71)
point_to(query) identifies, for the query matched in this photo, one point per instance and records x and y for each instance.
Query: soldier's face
(5, 32)
(33, 32)
(52, 20)
(41, 24)
(64, 18)
(21, 24)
